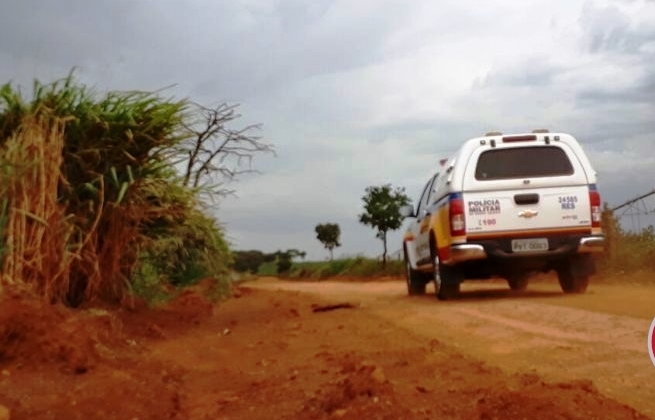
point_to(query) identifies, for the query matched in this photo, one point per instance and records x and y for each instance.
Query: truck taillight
(456, 213)
(594, 203)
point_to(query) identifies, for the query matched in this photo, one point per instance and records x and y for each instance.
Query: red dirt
(267, 355)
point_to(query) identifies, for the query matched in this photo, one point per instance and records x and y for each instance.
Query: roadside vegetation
(328, 234)
(626, 252)
(356, 267)
(382, 211)
(93, 206)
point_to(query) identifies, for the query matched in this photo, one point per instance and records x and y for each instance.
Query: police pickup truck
(506, 206)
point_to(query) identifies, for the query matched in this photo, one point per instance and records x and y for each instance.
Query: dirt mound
(163, 321)
(189, 306)
(361, 390)
(531, 398)
(34, 332)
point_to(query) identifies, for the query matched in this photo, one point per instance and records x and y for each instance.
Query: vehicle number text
(567, 202)
(530, 245)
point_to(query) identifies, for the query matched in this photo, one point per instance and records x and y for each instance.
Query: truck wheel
(446, 279)
(571, 279)
(518, 281)
(415, 281)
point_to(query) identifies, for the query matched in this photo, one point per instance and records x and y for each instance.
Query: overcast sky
(355, 93)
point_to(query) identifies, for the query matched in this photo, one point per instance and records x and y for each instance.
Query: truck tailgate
(527, 209)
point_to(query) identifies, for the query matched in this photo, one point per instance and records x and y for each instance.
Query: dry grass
(36, 233)
(44, 251)
(89, 197)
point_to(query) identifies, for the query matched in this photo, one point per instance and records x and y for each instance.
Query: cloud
(363, 93)
(609, 28)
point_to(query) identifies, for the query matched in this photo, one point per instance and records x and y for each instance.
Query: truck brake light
(594, 203)
(456, 215)
(529, 137)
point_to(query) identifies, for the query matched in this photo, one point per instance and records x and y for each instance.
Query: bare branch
(215, 154)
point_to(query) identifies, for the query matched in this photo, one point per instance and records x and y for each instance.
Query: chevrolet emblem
(528, 213)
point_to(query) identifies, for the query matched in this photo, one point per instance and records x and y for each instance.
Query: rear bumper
(465, 252)
(498, 249)
(594, 243)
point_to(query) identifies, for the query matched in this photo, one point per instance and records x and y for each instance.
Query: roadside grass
(268, 269)
(628, 257)
(352, 268)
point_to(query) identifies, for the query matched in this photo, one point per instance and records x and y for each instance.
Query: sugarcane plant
(92, 194)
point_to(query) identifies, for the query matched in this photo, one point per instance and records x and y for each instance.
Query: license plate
(530, 245)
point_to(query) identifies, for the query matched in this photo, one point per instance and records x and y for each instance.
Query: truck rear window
(523, 162)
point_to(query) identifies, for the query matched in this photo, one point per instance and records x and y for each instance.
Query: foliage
(32, 225)
(111, 149)
(283, 263)
(91, 203)
(268, 269)
(357, 267)
(328, 234)
(625, 251)
(187, 252)
(382, 211)
(250, 261)
(284, 259)
(266, 264)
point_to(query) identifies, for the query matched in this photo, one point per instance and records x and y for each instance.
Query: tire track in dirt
(568, 324)
(524, 333)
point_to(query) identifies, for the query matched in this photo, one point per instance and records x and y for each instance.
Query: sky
(354, 93)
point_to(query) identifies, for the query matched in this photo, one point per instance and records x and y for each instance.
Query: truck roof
(457, 162)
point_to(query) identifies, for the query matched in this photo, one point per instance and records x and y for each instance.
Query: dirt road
(271, 354)
(599, 336)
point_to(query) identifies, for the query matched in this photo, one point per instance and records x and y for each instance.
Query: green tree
(328, 234)
(382, 211)
(250, 261)
(285, 259)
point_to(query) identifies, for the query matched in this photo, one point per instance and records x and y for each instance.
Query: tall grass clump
(89, 193)
(34, 230)
(626, 251)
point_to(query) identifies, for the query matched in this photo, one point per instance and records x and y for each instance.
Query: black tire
(415, 280)
(446, 279)
(571, 279)
(518, 281)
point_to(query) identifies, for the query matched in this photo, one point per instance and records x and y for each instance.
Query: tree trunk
(384, 254)
(331, 254)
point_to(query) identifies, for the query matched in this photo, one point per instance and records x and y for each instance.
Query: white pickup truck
(507, 206)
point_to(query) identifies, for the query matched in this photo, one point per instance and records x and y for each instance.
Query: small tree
(382, 211)
(328, 234)
(285, 259)
(250, 261)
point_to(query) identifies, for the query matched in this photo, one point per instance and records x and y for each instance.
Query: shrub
(90, 200)
(626, 251)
